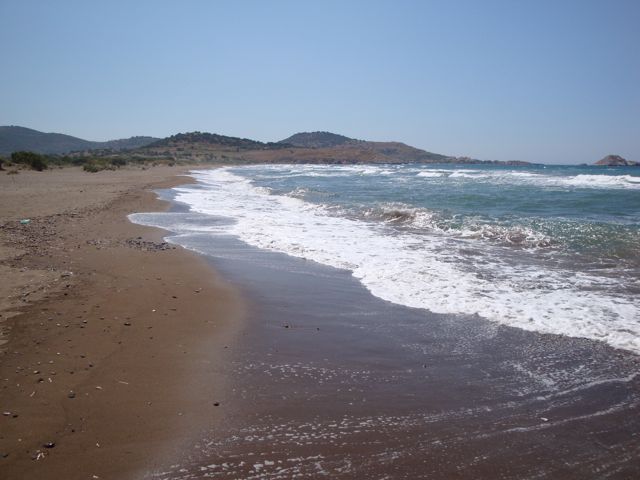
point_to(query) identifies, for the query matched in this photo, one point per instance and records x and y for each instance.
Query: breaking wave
(420, 258)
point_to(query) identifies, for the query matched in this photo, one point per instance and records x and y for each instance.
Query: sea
(551, 249)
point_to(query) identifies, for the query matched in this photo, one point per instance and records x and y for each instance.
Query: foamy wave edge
(417, 278)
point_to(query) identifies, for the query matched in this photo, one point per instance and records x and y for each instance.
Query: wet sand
(287, 369)
(331, 382)
(113, 340)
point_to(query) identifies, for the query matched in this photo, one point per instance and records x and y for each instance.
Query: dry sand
(112, 339)
(320, 378)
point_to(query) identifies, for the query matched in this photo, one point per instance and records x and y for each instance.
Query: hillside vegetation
(303, 147)
(317, 140)
(306, 147)
(13, 139)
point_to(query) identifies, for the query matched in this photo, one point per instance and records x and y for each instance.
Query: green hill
(317, 140)
(303, 147)
(14, 138)
(213, 139)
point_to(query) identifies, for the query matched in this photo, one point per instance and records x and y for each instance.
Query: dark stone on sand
(216, 404)
(49, 445)
(127, 324)
(71, 394)
(141, 244)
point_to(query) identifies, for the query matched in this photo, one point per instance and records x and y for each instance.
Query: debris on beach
(38, 455)
(140, 244)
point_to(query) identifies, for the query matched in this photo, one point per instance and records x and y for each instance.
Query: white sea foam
(499, 176)
(471, 174)
(424, 271)
(514, 177)
(344, 171)
(400, 213)
(600, 181)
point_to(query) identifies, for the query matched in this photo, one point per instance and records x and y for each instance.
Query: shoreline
(304, 372)
(113, 337)
(329, 380)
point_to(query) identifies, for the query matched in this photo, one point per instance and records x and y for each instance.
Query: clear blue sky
(547, 81)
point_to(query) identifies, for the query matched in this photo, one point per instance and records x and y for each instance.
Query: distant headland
(616, 161)
(303, 147)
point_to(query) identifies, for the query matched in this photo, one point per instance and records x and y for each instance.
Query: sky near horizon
(542, 81)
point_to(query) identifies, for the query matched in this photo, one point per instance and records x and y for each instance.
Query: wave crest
(469, 227)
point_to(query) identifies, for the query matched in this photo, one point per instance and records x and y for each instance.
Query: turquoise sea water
(546, 248)
(583, 210)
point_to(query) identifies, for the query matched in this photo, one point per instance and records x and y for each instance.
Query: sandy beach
(128, 357)
(110, 337)
(328, 381)
(313, 240)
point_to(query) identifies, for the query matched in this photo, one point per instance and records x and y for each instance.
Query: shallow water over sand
(550, 250)
(328, 380)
